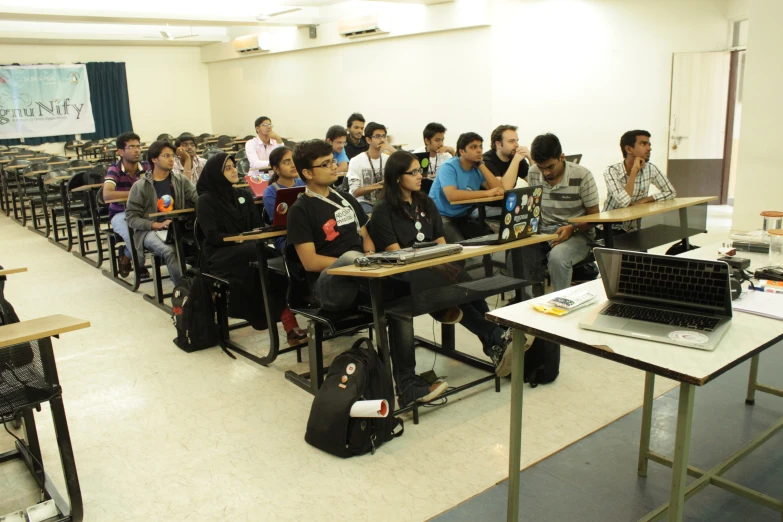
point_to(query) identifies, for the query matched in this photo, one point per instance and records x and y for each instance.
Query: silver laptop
(406, 256)
(667, 299)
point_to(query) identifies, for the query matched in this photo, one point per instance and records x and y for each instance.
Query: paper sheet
(379, 408)
(760, 303)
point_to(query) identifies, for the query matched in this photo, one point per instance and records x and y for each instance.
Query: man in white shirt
(628, 182)
(187, 162)
(259, 148)
(365, 171)
(434, 136)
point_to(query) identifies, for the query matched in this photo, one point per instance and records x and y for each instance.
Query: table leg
(647, 406)
(608, 235)
(752, 380)
(682, 443)
(684, 228)
(515, 444)
(176, 232)
(271, 322)
(379, 322)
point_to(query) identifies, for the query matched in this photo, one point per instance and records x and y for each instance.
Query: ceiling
(90, 22)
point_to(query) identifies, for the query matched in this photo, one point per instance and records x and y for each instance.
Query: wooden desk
(635, 212)
(467, 253)
(74, 169)
(34, 329)
(117, 200)
(241, 185)
(35, 173)
(15, 167)
(492, 199)
(261, 236)
(57, 163)
(85, 188)
(9, 271)
(746, 338)
(172, 212)
(56, 179)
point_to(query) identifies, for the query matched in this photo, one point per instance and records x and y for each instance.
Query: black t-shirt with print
(399, 226)
(163, 188)
(331, 229)
(498, 167)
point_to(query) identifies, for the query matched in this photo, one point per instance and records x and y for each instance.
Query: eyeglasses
(269, 125)
(325, 165)
(168, 156)
(414, 172)
(132, 147)
(379, 136)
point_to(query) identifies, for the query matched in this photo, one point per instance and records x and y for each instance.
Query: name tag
(344, 216)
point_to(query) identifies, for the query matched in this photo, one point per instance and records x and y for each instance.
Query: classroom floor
(161, 434)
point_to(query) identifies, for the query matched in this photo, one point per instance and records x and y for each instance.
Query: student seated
(285, 176)
(365, 171)
(188, 163)
(355, 144)
(225, 211)
(507, 159)
(461, 178)
(329, 230)
(337, 137)
(405, 216)
(628, 182)
(569, 191)
(117, 183)
(259, 148)
(160, 190)
(434, 136)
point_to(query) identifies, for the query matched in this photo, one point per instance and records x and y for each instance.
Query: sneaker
(420, 390)
(125, 265)
(501, 356)
(452, 315)
(296, 336)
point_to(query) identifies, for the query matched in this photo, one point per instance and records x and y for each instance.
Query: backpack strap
(398, 422)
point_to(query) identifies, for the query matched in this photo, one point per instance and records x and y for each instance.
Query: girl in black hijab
(225, 211)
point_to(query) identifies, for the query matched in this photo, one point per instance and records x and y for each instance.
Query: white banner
(44, 100)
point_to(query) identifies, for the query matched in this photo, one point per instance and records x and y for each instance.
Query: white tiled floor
(160, 434)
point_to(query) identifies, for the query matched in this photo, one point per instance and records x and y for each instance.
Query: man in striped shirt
(567, 191)
(628, 182)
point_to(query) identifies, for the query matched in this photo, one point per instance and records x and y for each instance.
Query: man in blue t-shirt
(462, 178)
(337, 136)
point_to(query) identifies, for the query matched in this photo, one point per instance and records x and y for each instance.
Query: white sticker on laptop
(688, 336)
(344, 216)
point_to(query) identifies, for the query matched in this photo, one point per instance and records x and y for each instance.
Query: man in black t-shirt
(356, 143)
(327, 228)
(507, 154)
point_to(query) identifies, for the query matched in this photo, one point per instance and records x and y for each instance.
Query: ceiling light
(167, 35)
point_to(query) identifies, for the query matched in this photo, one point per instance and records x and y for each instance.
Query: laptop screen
(665, 280)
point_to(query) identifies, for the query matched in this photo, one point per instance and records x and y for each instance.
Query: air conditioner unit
(252, 43)
(367, 25)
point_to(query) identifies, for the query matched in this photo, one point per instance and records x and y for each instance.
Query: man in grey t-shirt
(568, 191)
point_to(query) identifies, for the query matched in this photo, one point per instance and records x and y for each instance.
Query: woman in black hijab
(224, 211)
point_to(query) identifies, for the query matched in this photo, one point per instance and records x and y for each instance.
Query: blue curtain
(110, 105)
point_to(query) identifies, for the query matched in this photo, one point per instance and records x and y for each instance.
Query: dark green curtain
(109, 97)
(110, 105)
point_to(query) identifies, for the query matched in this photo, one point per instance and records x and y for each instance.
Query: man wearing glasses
(160, 190)
(258, 148)
(365, 171)
(327, 228)
(118, 181)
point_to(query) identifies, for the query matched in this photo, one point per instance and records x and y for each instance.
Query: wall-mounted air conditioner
(252, 43)
(368, 25)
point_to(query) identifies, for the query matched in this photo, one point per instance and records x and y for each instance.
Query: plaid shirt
(616, 178)
(197, 165)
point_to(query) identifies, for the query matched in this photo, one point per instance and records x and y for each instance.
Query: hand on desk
(563, 234)
(648, 199)
(497, 191)
(161, 225)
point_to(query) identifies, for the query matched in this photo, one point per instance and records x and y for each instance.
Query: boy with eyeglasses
(365, 171)
(327, 228)
(160, 190)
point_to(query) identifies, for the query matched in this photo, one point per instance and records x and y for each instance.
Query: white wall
(759, 186)
(168, 87)
(588, 71)
(403, 83)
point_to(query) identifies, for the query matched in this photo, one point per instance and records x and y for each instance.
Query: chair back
(426, 185)
(165, 137)
(575, 158)
(57, 159)
(241, 154)
(299, 292)
(243, 166)
(288, 143)
(224, 140)
(79, 163)
(204, 136)
(95, 175)
(37, 167)
(211, 151)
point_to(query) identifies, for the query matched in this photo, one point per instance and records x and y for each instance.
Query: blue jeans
(120, 226)
(166, 252)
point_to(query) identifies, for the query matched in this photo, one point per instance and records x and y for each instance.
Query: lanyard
(435, 170)
(417, 223)
(380, 168)
(346, 204)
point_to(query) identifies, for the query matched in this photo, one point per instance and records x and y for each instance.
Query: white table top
(748, 335)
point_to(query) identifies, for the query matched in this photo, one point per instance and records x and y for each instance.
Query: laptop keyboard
(687, 281)
(651, 315)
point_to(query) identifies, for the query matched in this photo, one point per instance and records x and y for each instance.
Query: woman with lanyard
(406, 216)
(224, 211)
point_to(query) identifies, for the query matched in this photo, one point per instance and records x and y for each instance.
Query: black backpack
(358, 374)
(194, 313)
(542, 362)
